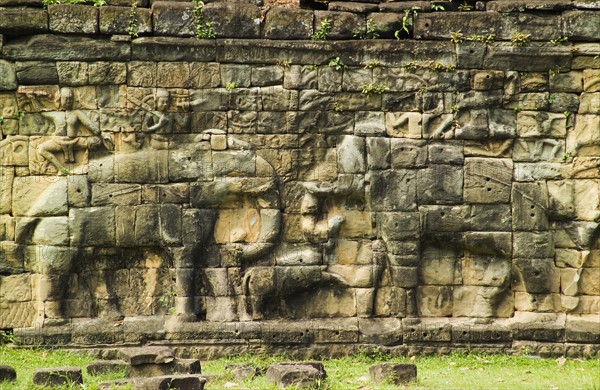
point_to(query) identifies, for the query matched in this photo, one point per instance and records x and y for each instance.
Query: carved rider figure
(66, 135)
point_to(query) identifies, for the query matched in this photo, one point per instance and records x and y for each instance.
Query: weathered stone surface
(7, 373)
(298, 374)
(173, 18)
(530, 202)
(20, 20)
(440, 184)
(487, 180)
(191, 382)
(288, 23)
(9, 79)
(103, 366)
(65, 48)
(117, 20)
(73, 18)
(397, 374)
(233, 20)
(145, 355)
(581, 26)
(57, 376)
(502, 55)
(428, 26)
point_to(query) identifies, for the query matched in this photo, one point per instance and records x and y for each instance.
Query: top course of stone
(518, 22)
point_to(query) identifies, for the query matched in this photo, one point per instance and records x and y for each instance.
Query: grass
(25, 361)
(456, 371)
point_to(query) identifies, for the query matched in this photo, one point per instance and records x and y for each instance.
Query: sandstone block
(7, 373)
(589, 103)
(73, 18)
(287, 23)
(181, 382)
(502, 55)
(582, 329)
(233, 20)
(342, 23)
(548, 149)
(481, 301)
(440, 184)
(116, 20)
(369, 123)
(397, 374)
(431, 25)
(542, 27)
(389, 302)
(393, 190)
(486, 80)
(535, 276)
(378, 153)
(434, 301)
(408, 153)
(99, 220)
(444, 218)
(57, 376)
(145, 355)
(34, 72)
(485, 217)
(590, 284)
(22, 20)
(66, 48)
(591, 81)
(567, 82)
(440, 266)
(403, 124)
(299, 375)
(173, 18)
(177, 366)
(581, 25)
(143, 166)
(27, 191)
(351, 152)
(16, 288)
(103, 366)
(487, 180)
(538, 302)
(533, 245)
(537, 171)
(529, 205)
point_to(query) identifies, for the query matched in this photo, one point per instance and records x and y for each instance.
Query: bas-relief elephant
(230, 261)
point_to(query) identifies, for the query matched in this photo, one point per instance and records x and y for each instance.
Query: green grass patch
(25, 361)
(456, 371)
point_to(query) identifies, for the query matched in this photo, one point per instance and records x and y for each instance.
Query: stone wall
(433, 192)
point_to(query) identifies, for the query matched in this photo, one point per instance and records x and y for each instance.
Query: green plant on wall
(519, 39)
(464, 6)
(322, 31)
(133, 28)
(336, 63)
(559, 40)
(204, 29)
(371, 31)
(373, 89)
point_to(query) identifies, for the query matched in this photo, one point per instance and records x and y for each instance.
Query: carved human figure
(158, 123)
(66, 137)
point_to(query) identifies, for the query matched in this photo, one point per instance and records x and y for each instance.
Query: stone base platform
(544, 334)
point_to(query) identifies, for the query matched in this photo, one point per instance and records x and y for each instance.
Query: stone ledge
(65, 48)
(333, 336)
